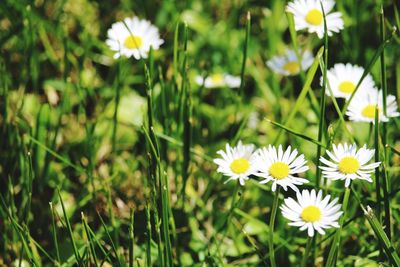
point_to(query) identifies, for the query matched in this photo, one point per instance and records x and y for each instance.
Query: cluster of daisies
(282, 167)
(343, 80)
(134, 37)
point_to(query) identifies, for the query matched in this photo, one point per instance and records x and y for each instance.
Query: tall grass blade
(382, 237)
(54, 229)
(131, 239)
(91, 245)
(385, 177)
(71, 234)
(321, 124)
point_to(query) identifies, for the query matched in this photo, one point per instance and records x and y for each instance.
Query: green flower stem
(306, 252)
(333, 253)
(271, 227)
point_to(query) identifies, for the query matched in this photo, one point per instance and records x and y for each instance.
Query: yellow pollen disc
(347, 87)
(217, 78)
(369, 111)
(133, 42)
(311, 214)
(314, 17)
(349, 165)
(240, 165)
(292, 67)
(279, 170)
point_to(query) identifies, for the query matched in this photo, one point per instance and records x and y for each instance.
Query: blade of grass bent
(303, 136)
(307, 85)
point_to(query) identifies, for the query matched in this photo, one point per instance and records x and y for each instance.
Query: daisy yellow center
(311, 214)
(217, 78)
(240, 165)
(349, 165)
(133, 42)
(314, 17)
(369, 111)
(292, 67)
(347, 87)
(279, 170)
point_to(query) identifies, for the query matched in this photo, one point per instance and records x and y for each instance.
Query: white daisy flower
(218, 80)
(343, 79)
(311, 212)
(346, 163)
(288, 64)
(133, 37)
(280, 167)
(237, 162)
(308, 15)
(362, 106)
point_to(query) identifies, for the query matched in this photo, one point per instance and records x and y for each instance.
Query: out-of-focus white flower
(289, 64)
(219, 80)
(133, 37)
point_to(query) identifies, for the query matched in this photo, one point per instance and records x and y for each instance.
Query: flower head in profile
(347, 163)
(343, 80)
(288, 64)
(308, 15)
(311, 212)
(238, 162)
(362, 107)
(280, 167)
(133, 37)
(218, 80)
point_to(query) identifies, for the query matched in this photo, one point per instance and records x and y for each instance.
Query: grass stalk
(271, 228)
(90, 241)
(385, 177)
(334, 252)
(71, 235)
(54, 228)
(131, 239)
(245, 48)
(148, 235)
(29, 187)
(322, 123)
(186, 134)
(117, 88)
(377, 171)
(381, 235)
(307, 252)
(155, 182)
(224, 225)
(114, 249)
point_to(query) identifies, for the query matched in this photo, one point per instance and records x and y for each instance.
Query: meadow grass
(109, 161)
